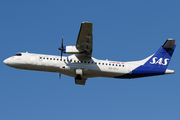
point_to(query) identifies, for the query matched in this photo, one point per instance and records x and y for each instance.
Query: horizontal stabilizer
(169, 43)
(169, 71)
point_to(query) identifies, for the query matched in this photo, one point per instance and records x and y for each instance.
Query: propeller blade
(59, 75)
(61, 55)
(61, 48)
(62, 42)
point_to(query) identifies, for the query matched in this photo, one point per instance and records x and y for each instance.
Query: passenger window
(106, 64)
(84, 61)
(102, 63)
(50, 58)
(57, 59)
(119, 65)
(109, 64)
(92, 62)
(88, 62)
(99, 63)
(47, 58)
(122, 65)
(116, 65)
(95, 62)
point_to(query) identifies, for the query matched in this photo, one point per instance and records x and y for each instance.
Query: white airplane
(82, 65)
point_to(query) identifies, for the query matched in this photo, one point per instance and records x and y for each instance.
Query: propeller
(61, 48)
(59, 75)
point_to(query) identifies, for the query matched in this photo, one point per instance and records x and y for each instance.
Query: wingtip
(86, 22)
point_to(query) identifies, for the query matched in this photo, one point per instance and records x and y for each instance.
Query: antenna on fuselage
(61, 48)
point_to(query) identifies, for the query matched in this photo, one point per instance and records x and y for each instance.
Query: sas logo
(159, 61)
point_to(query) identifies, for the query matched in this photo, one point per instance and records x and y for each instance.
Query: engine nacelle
(71, 50)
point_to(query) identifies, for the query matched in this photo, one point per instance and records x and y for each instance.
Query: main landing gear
(78, 79)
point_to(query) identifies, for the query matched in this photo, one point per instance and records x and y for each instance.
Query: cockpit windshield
(18, 54)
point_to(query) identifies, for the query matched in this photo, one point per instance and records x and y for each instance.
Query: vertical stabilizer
(155, 64)
(162, 57)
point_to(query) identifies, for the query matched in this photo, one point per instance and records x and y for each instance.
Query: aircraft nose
(5, 61)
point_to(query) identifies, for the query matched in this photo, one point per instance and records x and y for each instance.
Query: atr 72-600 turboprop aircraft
(82, 65)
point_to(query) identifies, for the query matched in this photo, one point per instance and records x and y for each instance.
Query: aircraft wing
(85, 39)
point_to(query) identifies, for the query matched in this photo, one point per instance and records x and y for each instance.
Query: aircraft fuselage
(91, 67)
(68, 65)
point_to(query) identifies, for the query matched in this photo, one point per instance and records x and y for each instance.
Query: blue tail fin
(157, 64)
(162, 57)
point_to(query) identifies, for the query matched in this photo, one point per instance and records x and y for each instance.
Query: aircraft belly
(91, 73)
(113, 71)
(37, 67)
(103, 73)
(68, 72)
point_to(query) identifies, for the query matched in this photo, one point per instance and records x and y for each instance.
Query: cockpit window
(18, 54)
